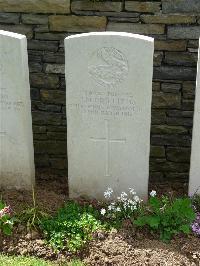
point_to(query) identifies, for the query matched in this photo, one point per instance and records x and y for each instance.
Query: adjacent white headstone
(109, 91)
(16, 139)
(194, 183)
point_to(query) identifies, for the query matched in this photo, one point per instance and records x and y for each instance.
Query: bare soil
(124, 247)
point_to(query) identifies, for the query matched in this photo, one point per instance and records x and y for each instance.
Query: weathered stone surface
(20, 28)
(56, 129)
(180, 59)
(170, 45)
(183, 32)
(35, 56)
(96, 6)
(144, 7)
(43, 45)
(156, 86)
(156, 176)
(39, 129)
(158, 118)
(189, 89)
(181, 6)
(12, 18)
(35, 6)
(169, 166)
(178, 176)
(58, 163)
(147, 29)
(171, 87)
(41, 28)
(51, 147)
(57, 135)
(166, 100)
(157, 58)
(178, 154)
(40, 136)
(41, 80)
(35, 67)
(53, 96)
(44, 118)
(157, 151)
(17, 169)
(187, 104)
(171, 140)
(49, 36)
(77, 23)
(166, 129)
(57, 58)
(179, 113)
(34, 19)
(179, 121)
(119, 19)
(193, 44)
(54, 68)
(40, 106)
(168, 19)
(42, 160)
(174, 73)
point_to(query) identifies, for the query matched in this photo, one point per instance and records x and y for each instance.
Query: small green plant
(6, 219)
(166, 216)
(72, 227)
(32, 216)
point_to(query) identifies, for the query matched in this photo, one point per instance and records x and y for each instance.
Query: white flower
(118, 209)
(108, 193)
(123, 196)
(132, 191)
(153, 193)
(136, 199)
(110, 207)
(103, 211)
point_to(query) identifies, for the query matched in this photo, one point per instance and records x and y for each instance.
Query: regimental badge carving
(108, 67)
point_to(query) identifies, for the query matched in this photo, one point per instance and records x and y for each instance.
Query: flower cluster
(153, 193)
(124, 205)
(196, 225)
(6, 210)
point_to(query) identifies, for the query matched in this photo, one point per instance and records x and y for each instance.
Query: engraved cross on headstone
(108, 140)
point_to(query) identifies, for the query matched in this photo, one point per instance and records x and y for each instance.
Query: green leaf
(185, 228)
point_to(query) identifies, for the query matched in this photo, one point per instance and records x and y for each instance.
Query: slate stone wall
(175, 25)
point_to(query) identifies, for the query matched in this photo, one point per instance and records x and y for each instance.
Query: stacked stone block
(175, 25)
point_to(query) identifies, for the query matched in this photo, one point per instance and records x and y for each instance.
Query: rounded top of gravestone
(111, 33)
(12, 34)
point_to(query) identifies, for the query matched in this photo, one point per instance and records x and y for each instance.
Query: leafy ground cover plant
(120, 207)
(167, 216)
(6, 219)
(72, 227)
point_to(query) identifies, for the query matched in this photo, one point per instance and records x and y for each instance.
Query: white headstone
(194, 182)
(16, 139)
(109, 91)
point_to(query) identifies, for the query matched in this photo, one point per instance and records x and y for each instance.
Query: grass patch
(32, 261)
(22, 261)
